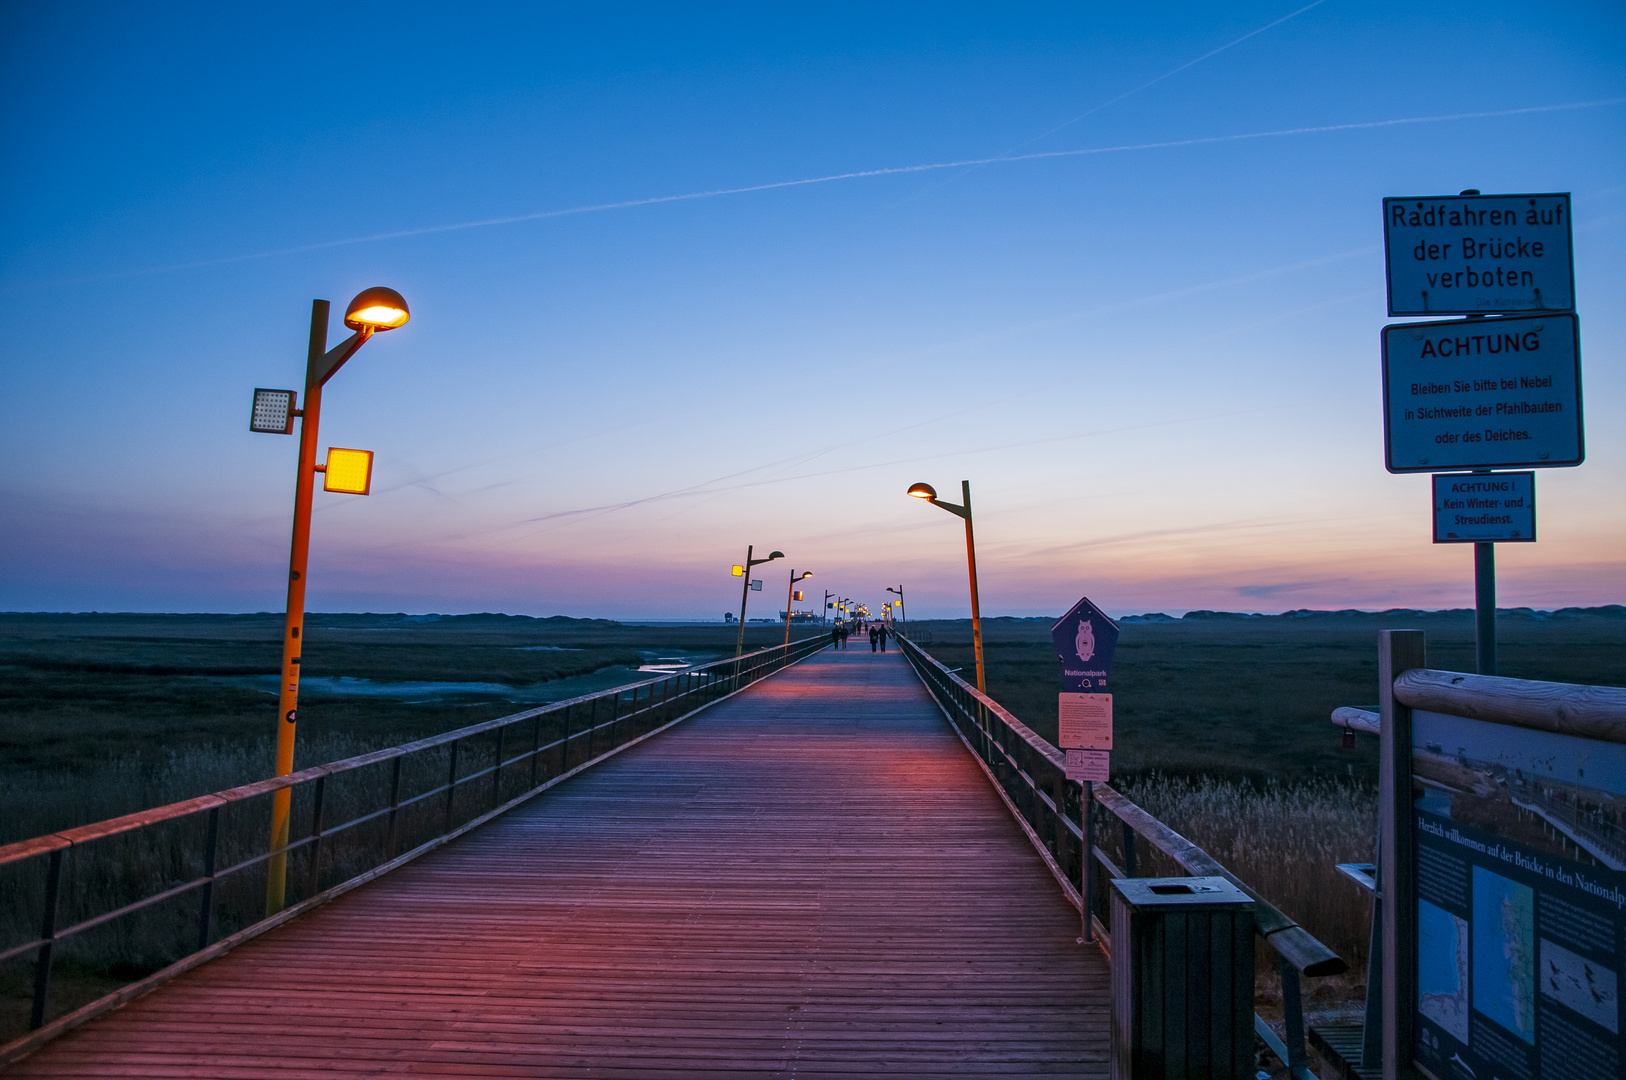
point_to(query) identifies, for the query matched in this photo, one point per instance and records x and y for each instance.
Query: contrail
(864, 174)
(1168, 75)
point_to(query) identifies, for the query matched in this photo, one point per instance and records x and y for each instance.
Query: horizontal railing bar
(18, 950)
(1588, 712)
(1358, 719)
(41, 845)
(118, 913)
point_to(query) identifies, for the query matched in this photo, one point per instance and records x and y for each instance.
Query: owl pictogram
(1086, 639)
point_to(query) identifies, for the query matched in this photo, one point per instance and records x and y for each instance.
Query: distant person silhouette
(881, 633)
(872, 639)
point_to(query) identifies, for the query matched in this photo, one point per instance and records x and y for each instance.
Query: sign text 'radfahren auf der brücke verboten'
(1478, 254)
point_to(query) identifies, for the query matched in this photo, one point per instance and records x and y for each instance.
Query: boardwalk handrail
(634, 711)
(1030, 774)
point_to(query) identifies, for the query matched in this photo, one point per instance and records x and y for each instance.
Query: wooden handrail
(1358, 719)
(1295, 944)
(1588, 712)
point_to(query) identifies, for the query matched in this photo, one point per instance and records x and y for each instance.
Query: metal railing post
(42, 964)
(316, 838)
(1293, 1020)
(496, 770)
(1092, 874)
(206, 903)
(536, 746)
(392, 829)
(451, 785)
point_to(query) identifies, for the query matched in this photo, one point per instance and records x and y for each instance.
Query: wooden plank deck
(810, 879)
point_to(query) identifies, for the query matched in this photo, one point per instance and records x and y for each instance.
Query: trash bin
(1182, 979)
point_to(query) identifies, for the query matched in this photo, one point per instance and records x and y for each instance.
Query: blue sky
(1157, 364)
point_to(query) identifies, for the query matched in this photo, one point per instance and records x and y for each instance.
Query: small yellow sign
(739, 571)
(348, 471)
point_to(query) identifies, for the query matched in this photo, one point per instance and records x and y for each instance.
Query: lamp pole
(901, 609)
(745, 590)
(929, 493)
(827, 595)
(790, 593)
(373, 310)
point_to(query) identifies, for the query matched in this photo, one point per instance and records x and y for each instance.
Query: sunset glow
(685, 283)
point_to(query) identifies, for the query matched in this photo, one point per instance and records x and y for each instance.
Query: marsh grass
(1282, 839)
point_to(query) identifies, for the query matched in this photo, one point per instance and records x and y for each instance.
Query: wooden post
(1398, 651)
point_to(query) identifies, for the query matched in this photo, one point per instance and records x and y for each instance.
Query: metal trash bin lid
(1180, 892)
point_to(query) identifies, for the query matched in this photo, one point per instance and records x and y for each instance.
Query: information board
(1521, 901)
(1478, 254)
(1084, 721)
(1482, 394)
(1091, 765)
(1473, 508)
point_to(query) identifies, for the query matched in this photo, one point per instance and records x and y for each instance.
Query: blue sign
(1085, 639)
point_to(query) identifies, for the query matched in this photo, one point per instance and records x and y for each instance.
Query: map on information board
(1520, 842)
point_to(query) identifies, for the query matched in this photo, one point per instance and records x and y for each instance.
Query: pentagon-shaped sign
(1085, 639)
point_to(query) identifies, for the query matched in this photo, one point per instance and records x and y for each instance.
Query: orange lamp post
(348, 471)
(929, 493)
(790, 597)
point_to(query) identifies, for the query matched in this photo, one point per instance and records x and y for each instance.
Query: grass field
(1250, 697)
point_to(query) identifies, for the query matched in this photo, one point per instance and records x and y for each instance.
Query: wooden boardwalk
(810, 879)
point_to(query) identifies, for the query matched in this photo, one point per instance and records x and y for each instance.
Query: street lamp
(902, 610)
(790, 594)
(826, 607)
(929, 493)
(746, 586)
(350, 471)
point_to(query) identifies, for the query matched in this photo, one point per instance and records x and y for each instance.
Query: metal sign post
(1085, 640)
(1482, 393)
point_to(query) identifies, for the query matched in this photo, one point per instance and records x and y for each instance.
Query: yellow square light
(800, 595)
(739, 571)
(348, 471)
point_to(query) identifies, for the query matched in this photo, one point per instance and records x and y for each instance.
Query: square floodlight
(756, 584)
(798, 595)
(273, 412)
(348, 471)
(739, 571)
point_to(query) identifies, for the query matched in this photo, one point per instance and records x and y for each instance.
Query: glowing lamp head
(377, 308)
(923, 491)
(348, 471)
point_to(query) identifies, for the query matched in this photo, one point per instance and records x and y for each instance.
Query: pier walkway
(812, 878)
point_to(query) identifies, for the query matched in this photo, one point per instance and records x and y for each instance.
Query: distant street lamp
(790, 595)
(929, 493)
(746, 586)
(902, 612)
(348, 471)
(826, 607)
